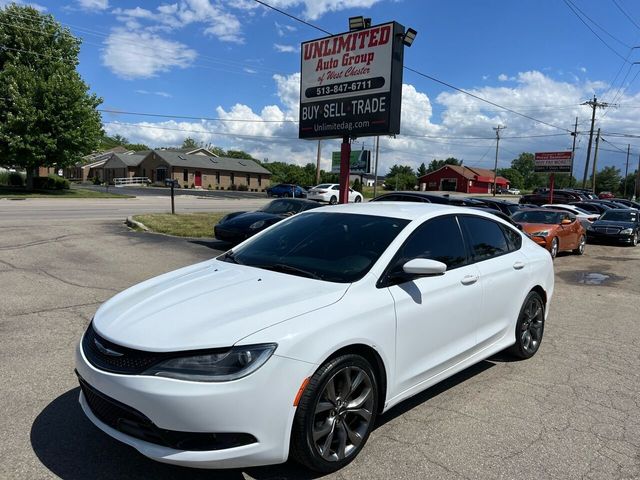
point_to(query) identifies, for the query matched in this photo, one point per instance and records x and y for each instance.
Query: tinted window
(513, 238)
(486, 238)
(336, 247)
(620, 216)
(438, 239)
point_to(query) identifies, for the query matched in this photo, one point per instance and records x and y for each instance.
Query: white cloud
(93, 4)
(286, 48)
(158, 93)
(284, 30)
(36, 6)
(314, 9)
(583, 69)
(143, 55)
(450, 117)
(505, 78)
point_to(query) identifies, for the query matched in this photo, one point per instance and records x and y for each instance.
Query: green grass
(17, 192)
(196, 225)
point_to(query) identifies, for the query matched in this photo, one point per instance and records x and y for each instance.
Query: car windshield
(537, 216)
(513, 208)
(620, 216)
(282, 206)
(335, 247)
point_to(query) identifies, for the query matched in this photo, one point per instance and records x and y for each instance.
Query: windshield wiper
(284, 268)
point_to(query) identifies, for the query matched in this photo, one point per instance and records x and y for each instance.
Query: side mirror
(424, 267)
(566, 221)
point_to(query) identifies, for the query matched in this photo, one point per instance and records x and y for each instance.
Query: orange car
(555, 230)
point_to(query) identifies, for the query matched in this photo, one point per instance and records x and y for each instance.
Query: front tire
(634, 239)
(581, 245)
(335, 415)
(554, 248)
(529, 327)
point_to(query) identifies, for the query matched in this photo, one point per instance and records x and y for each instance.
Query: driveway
(571, 412)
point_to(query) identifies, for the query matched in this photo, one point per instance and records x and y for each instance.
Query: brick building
(457, 178)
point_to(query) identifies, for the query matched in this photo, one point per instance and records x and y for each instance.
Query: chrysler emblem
(106, 351)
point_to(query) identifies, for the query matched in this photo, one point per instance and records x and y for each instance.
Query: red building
(455, 178)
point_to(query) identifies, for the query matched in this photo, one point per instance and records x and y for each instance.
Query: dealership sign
(351, 84)
(359, 161)
(552, 162)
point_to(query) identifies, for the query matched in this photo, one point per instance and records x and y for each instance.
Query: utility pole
(375, 169)
(594, 104)
(318, 165)
(637, 192)
(495, 168)
(626, 172)
(574, 134)
(595, 161)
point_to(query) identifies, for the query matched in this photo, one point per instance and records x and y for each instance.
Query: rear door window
(485, 237)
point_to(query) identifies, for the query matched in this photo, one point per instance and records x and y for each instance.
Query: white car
(513, 191)
(294, 341)
(330, 193)
(584, 217)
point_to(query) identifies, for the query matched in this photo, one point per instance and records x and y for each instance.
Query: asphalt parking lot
(571, 412)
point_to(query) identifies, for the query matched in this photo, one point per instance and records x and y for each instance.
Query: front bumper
(259, 405)
(594, 236)
(229, 235)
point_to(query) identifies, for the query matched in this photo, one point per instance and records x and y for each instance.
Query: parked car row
(325, 192)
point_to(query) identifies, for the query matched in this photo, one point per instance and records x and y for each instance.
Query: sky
(234, 67)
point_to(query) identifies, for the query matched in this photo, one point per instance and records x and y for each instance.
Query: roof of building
(470, 173)
(177, 159)
(122, 160)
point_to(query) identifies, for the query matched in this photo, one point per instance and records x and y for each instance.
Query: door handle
(469, 279)
(519, 265)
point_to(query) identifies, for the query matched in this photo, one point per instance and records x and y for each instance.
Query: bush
(233, 186)
(357, 185)
(209, 187)
(95, 180)
(243, 188)
(52, 182)
(15, 179)
(193, 185)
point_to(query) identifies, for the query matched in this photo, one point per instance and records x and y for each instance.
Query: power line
(597, 25)
(569, 4)
(477, 97)
(625, 14)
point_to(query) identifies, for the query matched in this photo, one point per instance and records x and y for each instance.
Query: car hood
(537, 227)
(246, 219)
(613, 223)
(208, 305)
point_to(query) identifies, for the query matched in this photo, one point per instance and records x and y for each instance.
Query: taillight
(592, 219)
(320, 191)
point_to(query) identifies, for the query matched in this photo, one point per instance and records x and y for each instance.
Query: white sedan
(584, 217)
(330, 193)
(513, 191)
(293, 342)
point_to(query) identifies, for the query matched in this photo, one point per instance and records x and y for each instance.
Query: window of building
(259, 180)
(161, 174)
(248, 179)
(485, 237)
(218, 178)
(232, 177)
(185, 175)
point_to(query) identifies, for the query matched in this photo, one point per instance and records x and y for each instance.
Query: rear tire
(335, 415)
(333, 200)
(581, 245)
(286, 194)
(529, 327)
(358, 199)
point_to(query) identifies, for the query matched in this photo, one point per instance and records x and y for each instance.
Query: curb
(135, 224)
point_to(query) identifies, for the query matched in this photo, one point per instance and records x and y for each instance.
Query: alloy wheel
(554, 248)
(531, 326)
(343, 414)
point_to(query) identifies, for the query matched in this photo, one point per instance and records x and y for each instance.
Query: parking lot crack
(73, 284)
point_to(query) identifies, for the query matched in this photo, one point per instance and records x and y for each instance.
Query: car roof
(493, 200)
(404, 210)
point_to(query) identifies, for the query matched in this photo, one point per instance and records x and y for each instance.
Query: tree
(438, 164)
(514, 176)
(607, 180)
(631, 184)
(400, 177)
(190, 143)
(47, 115)
(357, 186)
(239, 154)
(422, 170)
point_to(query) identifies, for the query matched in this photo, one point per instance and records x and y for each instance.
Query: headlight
(627, 231)
(541, 233)
(258, 224)
(225, 366)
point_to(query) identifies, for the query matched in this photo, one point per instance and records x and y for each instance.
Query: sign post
(351, 86)
(552, 162)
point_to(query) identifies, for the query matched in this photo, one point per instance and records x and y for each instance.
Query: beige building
(202, 169)
(121, 165)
